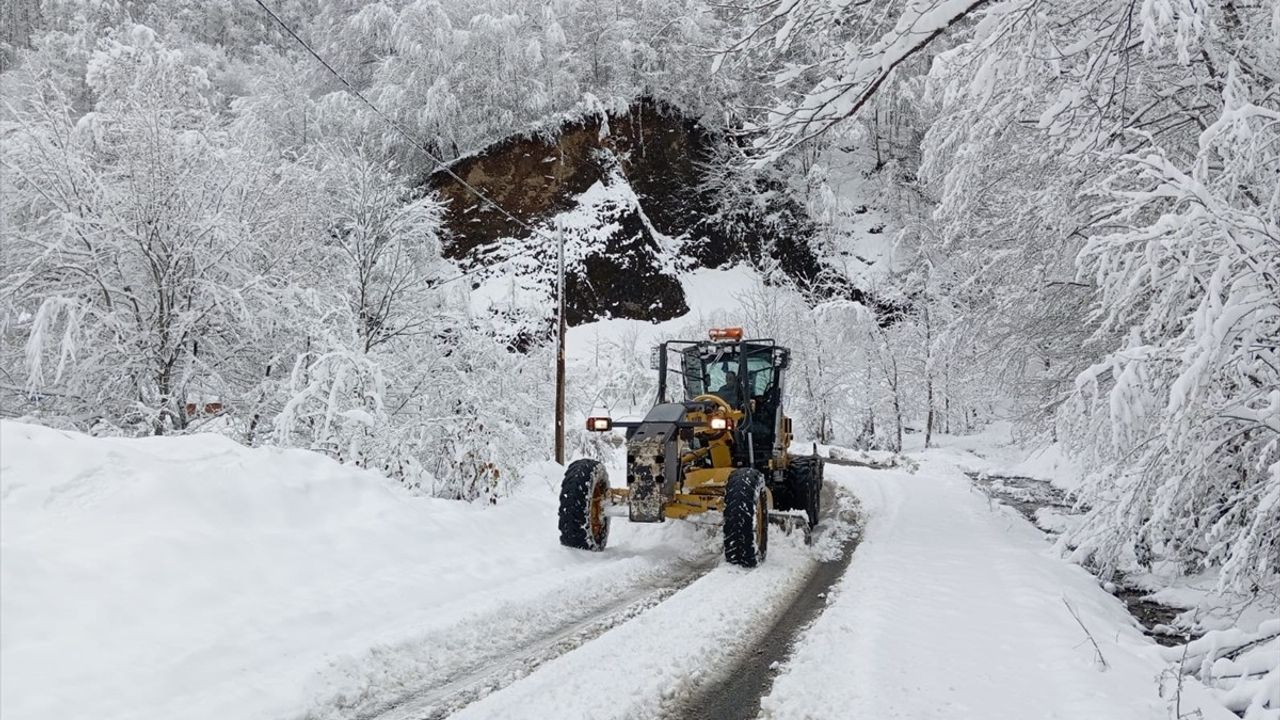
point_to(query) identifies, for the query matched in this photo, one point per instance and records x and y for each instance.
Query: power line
(560, 286)
(411, 138)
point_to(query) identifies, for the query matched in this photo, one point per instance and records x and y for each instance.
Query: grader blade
(790, 523)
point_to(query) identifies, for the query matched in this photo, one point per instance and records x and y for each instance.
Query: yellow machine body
(716, 440)
(706, 469)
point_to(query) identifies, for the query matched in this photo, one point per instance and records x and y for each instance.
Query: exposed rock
(629, 271)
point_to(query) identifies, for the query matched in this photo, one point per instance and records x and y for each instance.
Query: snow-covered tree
(1099, 218)
(127, 233)
(1182, 416)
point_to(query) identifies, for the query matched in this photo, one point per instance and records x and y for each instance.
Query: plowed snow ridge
(631, 670)
(432, 676)
(193, 577)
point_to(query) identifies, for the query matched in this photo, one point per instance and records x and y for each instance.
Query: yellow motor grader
(716, 441)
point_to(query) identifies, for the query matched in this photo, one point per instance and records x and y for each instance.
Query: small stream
(1029, 496)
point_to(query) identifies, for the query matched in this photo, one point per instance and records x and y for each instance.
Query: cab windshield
(715, 370)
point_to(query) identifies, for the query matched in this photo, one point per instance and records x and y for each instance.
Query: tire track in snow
(478, 679)
(444, 670)
(667, 657)
(737, 691)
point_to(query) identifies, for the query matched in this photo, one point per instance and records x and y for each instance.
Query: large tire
(746, 518)
(583, 524)
(804, 486)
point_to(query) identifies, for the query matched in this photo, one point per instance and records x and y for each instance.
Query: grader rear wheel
(804, 486)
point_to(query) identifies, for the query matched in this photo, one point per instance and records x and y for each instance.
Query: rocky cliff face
(625, 190)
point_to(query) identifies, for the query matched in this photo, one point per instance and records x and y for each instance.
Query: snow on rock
(616, 263)
(713, 295)
(633, 176)
(193, 577)
(1242, 667)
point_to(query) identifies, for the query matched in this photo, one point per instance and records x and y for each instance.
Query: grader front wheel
(583, 524)
(746, 518)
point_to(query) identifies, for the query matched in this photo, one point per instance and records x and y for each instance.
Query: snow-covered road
(195, 578)
(954, 607)
(634, 670)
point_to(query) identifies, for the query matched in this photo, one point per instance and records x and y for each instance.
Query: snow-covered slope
(631, 200)
(714, 296)
(192, 577)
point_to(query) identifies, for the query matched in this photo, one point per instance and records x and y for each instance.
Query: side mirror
(655, 357)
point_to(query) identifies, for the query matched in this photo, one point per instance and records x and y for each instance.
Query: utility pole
(560, 328)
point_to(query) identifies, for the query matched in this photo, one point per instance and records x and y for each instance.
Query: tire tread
(575, 505)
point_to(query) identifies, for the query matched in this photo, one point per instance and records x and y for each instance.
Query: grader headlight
(720, 423)
(599, 424)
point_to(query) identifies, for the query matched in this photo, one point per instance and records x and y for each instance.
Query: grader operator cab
(717, 440)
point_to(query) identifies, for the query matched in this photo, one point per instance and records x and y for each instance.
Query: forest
(206, 229)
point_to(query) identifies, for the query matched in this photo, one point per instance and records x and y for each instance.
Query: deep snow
(192, 577)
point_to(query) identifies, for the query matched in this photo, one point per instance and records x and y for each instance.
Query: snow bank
(1049, 463)
(997, 450)
(1241, 667)
(193, 577)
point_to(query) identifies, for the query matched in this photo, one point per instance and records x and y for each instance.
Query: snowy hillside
(630, 191)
